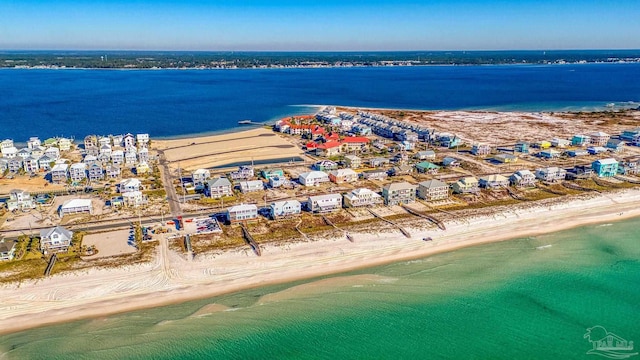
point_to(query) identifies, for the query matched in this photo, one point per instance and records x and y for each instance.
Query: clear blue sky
(319, 25)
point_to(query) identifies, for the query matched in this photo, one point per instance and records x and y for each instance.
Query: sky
(312, 25)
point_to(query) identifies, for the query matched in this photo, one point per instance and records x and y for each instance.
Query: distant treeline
(145, 60)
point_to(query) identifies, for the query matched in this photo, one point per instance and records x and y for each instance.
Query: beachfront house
(104, 140)
(631, 135)
(90, 141)
(615, 145)
(374, 174)
(20, 200)
(521, 147)
(5, 144)
(64, 144)
(76, 206)
(200, 176)
(10, 152)
(285, 208)
(269, 173)
(324, 203)
(243, 173)
(599, 138)
(480, 149)
(352, 161)
(550, 174)
(425, 155)
(242, 212)
(580, 140)
(33, 142)
(217, 188)
(56, 239)
(579, 172)
(59, 173)
(142, 140)
(128, 141)
(432, 190)
(466, 185)
(523, 178)
(605, 167)
(251, 186)
(313, 178)
(7, 250)
(78, 172)
(505, 158)
(426, 167)
(343, 176)
(399, 193)
(361, 197)
(493, 181)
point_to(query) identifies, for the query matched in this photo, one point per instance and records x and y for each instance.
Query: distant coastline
(151, 60)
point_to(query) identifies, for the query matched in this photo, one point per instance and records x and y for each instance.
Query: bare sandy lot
(27, 183)
(112, 243)
(220, 150)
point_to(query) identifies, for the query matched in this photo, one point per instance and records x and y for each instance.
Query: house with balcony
(129, 185)
(426, 167)
(480, 149)
(354, 144)
(361, 197)
(117, 157)
(7, 250)
(269, 173)
(59, 173)
(78, 172)
(64, 144)
(432, 190)
(324, 203)
(130, 157)
(56, 239)
(243, 173)
(579, 172)
(466, 185)
(377, 174)
(142, 140)
(95, 172)
(521, 147)
(113, 171)
(76, 206)
(352, 161)
(615, 145)
(52, 152)
(523, 178)
(217, 188)
(550, 174)
(343, 176)
(128, 141)
(399, 193)
(599, 138)
(200, 176)
(30, 165)
(379, 162)
(580, 140)
(505, 158)
(133, 199)
(605, 167)
(242, 213)
(20, 200)
(630, 166)
(493, 181)
(425, 155)
(284, 209)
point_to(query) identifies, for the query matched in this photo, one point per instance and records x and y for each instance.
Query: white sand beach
(172, 279)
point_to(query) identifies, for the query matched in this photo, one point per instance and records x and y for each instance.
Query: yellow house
(142, 168)
(505, 158)
(544, 144)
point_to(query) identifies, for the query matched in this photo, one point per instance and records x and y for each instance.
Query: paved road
(167, 181)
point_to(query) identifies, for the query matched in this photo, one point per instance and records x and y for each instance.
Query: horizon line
(316, 51)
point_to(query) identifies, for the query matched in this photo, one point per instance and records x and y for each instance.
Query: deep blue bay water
(169, 103)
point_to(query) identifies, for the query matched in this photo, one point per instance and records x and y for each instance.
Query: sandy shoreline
(100, 292)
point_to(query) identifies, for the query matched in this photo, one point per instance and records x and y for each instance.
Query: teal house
(427, 167)
(521, 147)
(269, 173)
(605, 167)
(580, 140)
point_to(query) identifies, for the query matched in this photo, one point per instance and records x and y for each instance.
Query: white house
(20, 200)
(361, 197)
(10, 152)
(133, 198)
(142, 140)
(433, 190)
(200, 176)
(55, 239)
(251, 185)
(52, 152)
(128, 185)
(324, 203)
(217, 188)
(59, 173)
(64, 144)
(117, 156)
(313, 178)
(551, 174)
(78, 172)
(523, 178)
(33, 142)
(242, 212)
(5, 144)
(7, 250)
(76, 206)
(284, 208)
(131, 156)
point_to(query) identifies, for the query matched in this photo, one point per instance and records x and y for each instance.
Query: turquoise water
(498, 301)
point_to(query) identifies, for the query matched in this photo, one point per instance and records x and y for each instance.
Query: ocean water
(168, 103)
(507, 300)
